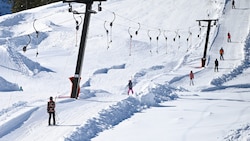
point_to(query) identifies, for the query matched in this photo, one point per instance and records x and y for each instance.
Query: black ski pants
(52, 114)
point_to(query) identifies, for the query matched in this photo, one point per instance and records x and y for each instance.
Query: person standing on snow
(51, 110)
(228, 37)
(191, 76)
(21, 88)
(233, 4)
(221, 54)
(130, 87)
(216, 65)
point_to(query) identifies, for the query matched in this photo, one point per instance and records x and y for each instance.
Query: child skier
(191, 76)
(216, 63)
(233, 4)
(130, 87)
(228, 37)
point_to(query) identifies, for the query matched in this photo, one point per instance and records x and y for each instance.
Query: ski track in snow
(22, 109)
(16, 122)
(200, 119)
(218, 82)
(237, 71)
(14, 106)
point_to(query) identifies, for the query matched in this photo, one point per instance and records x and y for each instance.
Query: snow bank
(121, 111)
(237, 133)
(15, 106)
(16, 122)
(7, 86)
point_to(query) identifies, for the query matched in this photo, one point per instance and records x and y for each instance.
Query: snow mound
(7, 86)
(124, 109)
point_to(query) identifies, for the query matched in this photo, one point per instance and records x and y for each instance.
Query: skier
(233, 4)
(130, 87)
(21, 88)
(221, 54)
(216, 65)
(191, 76)
(228, 37)
(51, 110)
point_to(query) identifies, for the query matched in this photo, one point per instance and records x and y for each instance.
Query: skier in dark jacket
(233, 4)
(51, 110)
(228, 37)
(130, 87)
(216, 65)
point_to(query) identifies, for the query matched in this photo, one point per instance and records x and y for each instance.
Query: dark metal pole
(203, 59)
(76, 80)
(206, 44)
(207, 39)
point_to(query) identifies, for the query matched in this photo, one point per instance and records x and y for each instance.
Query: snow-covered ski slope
(169, 44)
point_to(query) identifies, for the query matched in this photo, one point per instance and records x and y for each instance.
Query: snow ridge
(237, 134)
(121, 111)
(7, 86)
(14, 106)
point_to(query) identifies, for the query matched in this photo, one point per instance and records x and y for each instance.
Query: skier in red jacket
(221, 54)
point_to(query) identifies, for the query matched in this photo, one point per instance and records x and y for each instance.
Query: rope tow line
(189, 39)
(77, 22)
(74, 12)
(108, 26)
(37, 35)
(136, 32)
(77, 25)
(109, 37)
(35, 28)
(25, 47)
(131, 36)
(177, 35)
(107, 32)
(150, 41)
(157, 39)
(130, 43)
(166, 38)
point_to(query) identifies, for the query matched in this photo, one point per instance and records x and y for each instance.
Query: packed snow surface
(153, 43)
